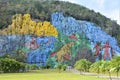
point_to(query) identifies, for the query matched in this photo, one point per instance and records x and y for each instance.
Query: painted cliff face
(64, 40)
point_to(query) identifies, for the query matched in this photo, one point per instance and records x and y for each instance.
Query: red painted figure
(53, 54)
(97, 48)
(33, 44)
(73, 37)
(106, 50)
(66, 57)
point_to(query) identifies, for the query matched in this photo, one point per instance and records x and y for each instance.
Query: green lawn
(46, 75)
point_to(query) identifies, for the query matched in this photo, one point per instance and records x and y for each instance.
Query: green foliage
(45, 67)
(11, 65)
(19, 55)
(105, 66)
(101, 66)
(34, 67)
(64, 67)
(0, 67)
(95, 67)
(48, 66)
(5, 56)
(59, 66)
(115, 63)
(82, 65)
(51, 62)
(42, 67)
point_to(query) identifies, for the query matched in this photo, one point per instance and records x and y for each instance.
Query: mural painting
(58, 41)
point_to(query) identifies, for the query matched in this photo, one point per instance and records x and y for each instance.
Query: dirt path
(94, 74)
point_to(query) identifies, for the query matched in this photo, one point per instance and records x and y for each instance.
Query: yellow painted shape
(23, 25)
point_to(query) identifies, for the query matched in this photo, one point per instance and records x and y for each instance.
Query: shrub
(11, 65)
(47, 66)
(5, 56)
(42, 67)
(115, 64)
(95, 67)
(64, 67)
(34, 67)
(59, 66)
(82, 65)
(0, 66)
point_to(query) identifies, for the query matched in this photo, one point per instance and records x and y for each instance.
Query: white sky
(108, 8)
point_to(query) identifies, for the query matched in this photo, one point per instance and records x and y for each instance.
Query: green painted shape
(62, 40)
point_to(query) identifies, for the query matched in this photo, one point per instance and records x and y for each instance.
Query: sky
(108, 8)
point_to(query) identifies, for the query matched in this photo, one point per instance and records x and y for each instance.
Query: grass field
(46, 75)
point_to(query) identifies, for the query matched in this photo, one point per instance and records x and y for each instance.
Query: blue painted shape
(40, 55)
(69, 25)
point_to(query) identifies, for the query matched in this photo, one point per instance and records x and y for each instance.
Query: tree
(95, 67)
(59, 66)
(101, 66)
(115, 63)
(82, 65)
(104, 66)
(64, 67)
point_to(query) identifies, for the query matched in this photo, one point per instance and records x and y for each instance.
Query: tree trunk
(110, 75)
(117, 73)
(98, 72)
(104, 71)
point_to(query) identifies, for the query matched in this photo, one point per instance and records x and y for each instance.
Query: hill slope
(41, 10)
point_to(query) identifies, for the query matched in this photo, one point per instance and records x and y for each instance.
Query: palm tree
(115, 63)
(104, 66)
(108, 68)
(95, 67)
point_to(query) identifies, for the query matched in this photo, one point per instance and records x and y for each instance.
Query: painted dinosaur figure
(65, 50)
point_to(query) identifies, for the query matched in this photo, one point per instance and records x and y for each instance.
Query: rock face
(8, 44)
(69, 25)
(75, 41)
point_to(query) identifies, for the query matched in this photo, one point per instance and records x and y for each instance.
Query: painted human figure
(97, 50)
(33, 44)
(106, 50)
